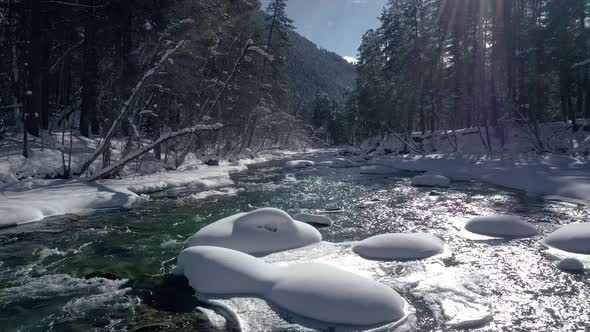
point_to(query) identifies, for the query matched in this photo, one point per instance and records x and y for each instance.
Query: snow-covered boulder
(316, 291)
(571, 238)
(571, 265)
(431, 180)
(290, 177)
(332, 295)
(259, 232)
(399, 247)
(313, 219)
(299, 164)
(378, 170)
(343, 163)
(218, 271)
(501, 226)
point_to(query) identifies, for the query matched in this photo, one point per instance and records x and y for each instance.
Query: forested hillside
(152, 79)
(317, 76)
(485, 64)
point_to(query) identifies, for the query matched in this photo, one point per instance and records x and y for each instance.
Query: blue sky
(336, 25)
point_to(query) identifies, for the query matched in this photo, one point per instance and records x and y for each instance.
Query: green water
(109, 271)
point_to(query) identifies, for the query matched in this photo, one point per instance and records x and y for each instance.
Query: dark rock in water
(104, 275)
(433, 193)
(418, 139)
(212, 162)
(388, 151)
(174, 294)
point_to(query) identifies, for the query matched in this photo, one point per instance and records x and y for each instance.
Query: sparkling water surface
(109, 271)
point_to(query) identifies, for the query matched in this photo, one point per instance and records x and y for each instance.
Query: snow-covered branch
(128, 103)
(140, 152)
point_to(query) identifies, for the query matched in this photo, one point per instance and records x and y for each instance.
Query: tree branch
(140, 152)
(127, 105)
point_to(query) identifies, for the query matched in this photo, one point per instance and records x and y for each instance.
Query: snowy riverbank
(550, 176)
(35, 199)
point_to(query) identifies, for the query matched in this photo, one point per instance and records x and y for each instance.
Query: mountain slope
(312, 70)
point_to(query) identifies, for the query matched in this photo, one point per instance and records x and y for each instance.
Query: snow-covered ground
(27, 195)
(562, 174)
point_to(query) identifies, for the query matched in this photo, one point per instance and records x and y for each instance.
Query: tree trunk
(90, 80)
(35, 92)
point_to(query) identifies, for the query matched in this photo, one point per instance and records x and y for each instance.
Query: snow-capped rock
(501, 226)
(571, 265)
(317, 291)
(329, 294)
(313, 219)
(259, 232)
(571, 238)
(290, 177)
(431, 180)
(378, 170)
(400, 247)
(343, 163)
(299, 164)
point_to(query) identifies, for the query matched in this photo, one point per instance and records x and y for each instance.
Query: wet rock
(174, 295)
(212, 162)
(104, 275)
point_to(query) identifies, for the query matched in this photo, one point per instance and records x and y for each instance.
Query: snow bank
(501, 226)
(571, 238)
(378, 170)
(313, 219)
(343, 163)
(431, 180)
(29, 201)
(299, 164)
(259, 232)
(551, 176)
(317, 291)
(571, 265)
(400, 247)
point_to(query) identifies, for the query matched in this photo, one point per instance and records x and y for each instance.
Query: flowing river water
(109, 271)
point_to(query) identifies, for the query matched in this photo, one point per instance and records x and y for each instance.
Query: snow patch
(313, 219)
(501, 226)
(343, 163)
(299, 164)
(571, 265)
(573, 238)
(378, 170)
(401, 247)
(431, 180)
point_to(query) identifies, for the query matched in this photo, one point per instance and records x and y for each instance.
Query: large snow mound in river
(501, 226)
(299, 164)
(259, 232)
(311, 290)
(431, 180)
(571, 238)
(400, 247)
